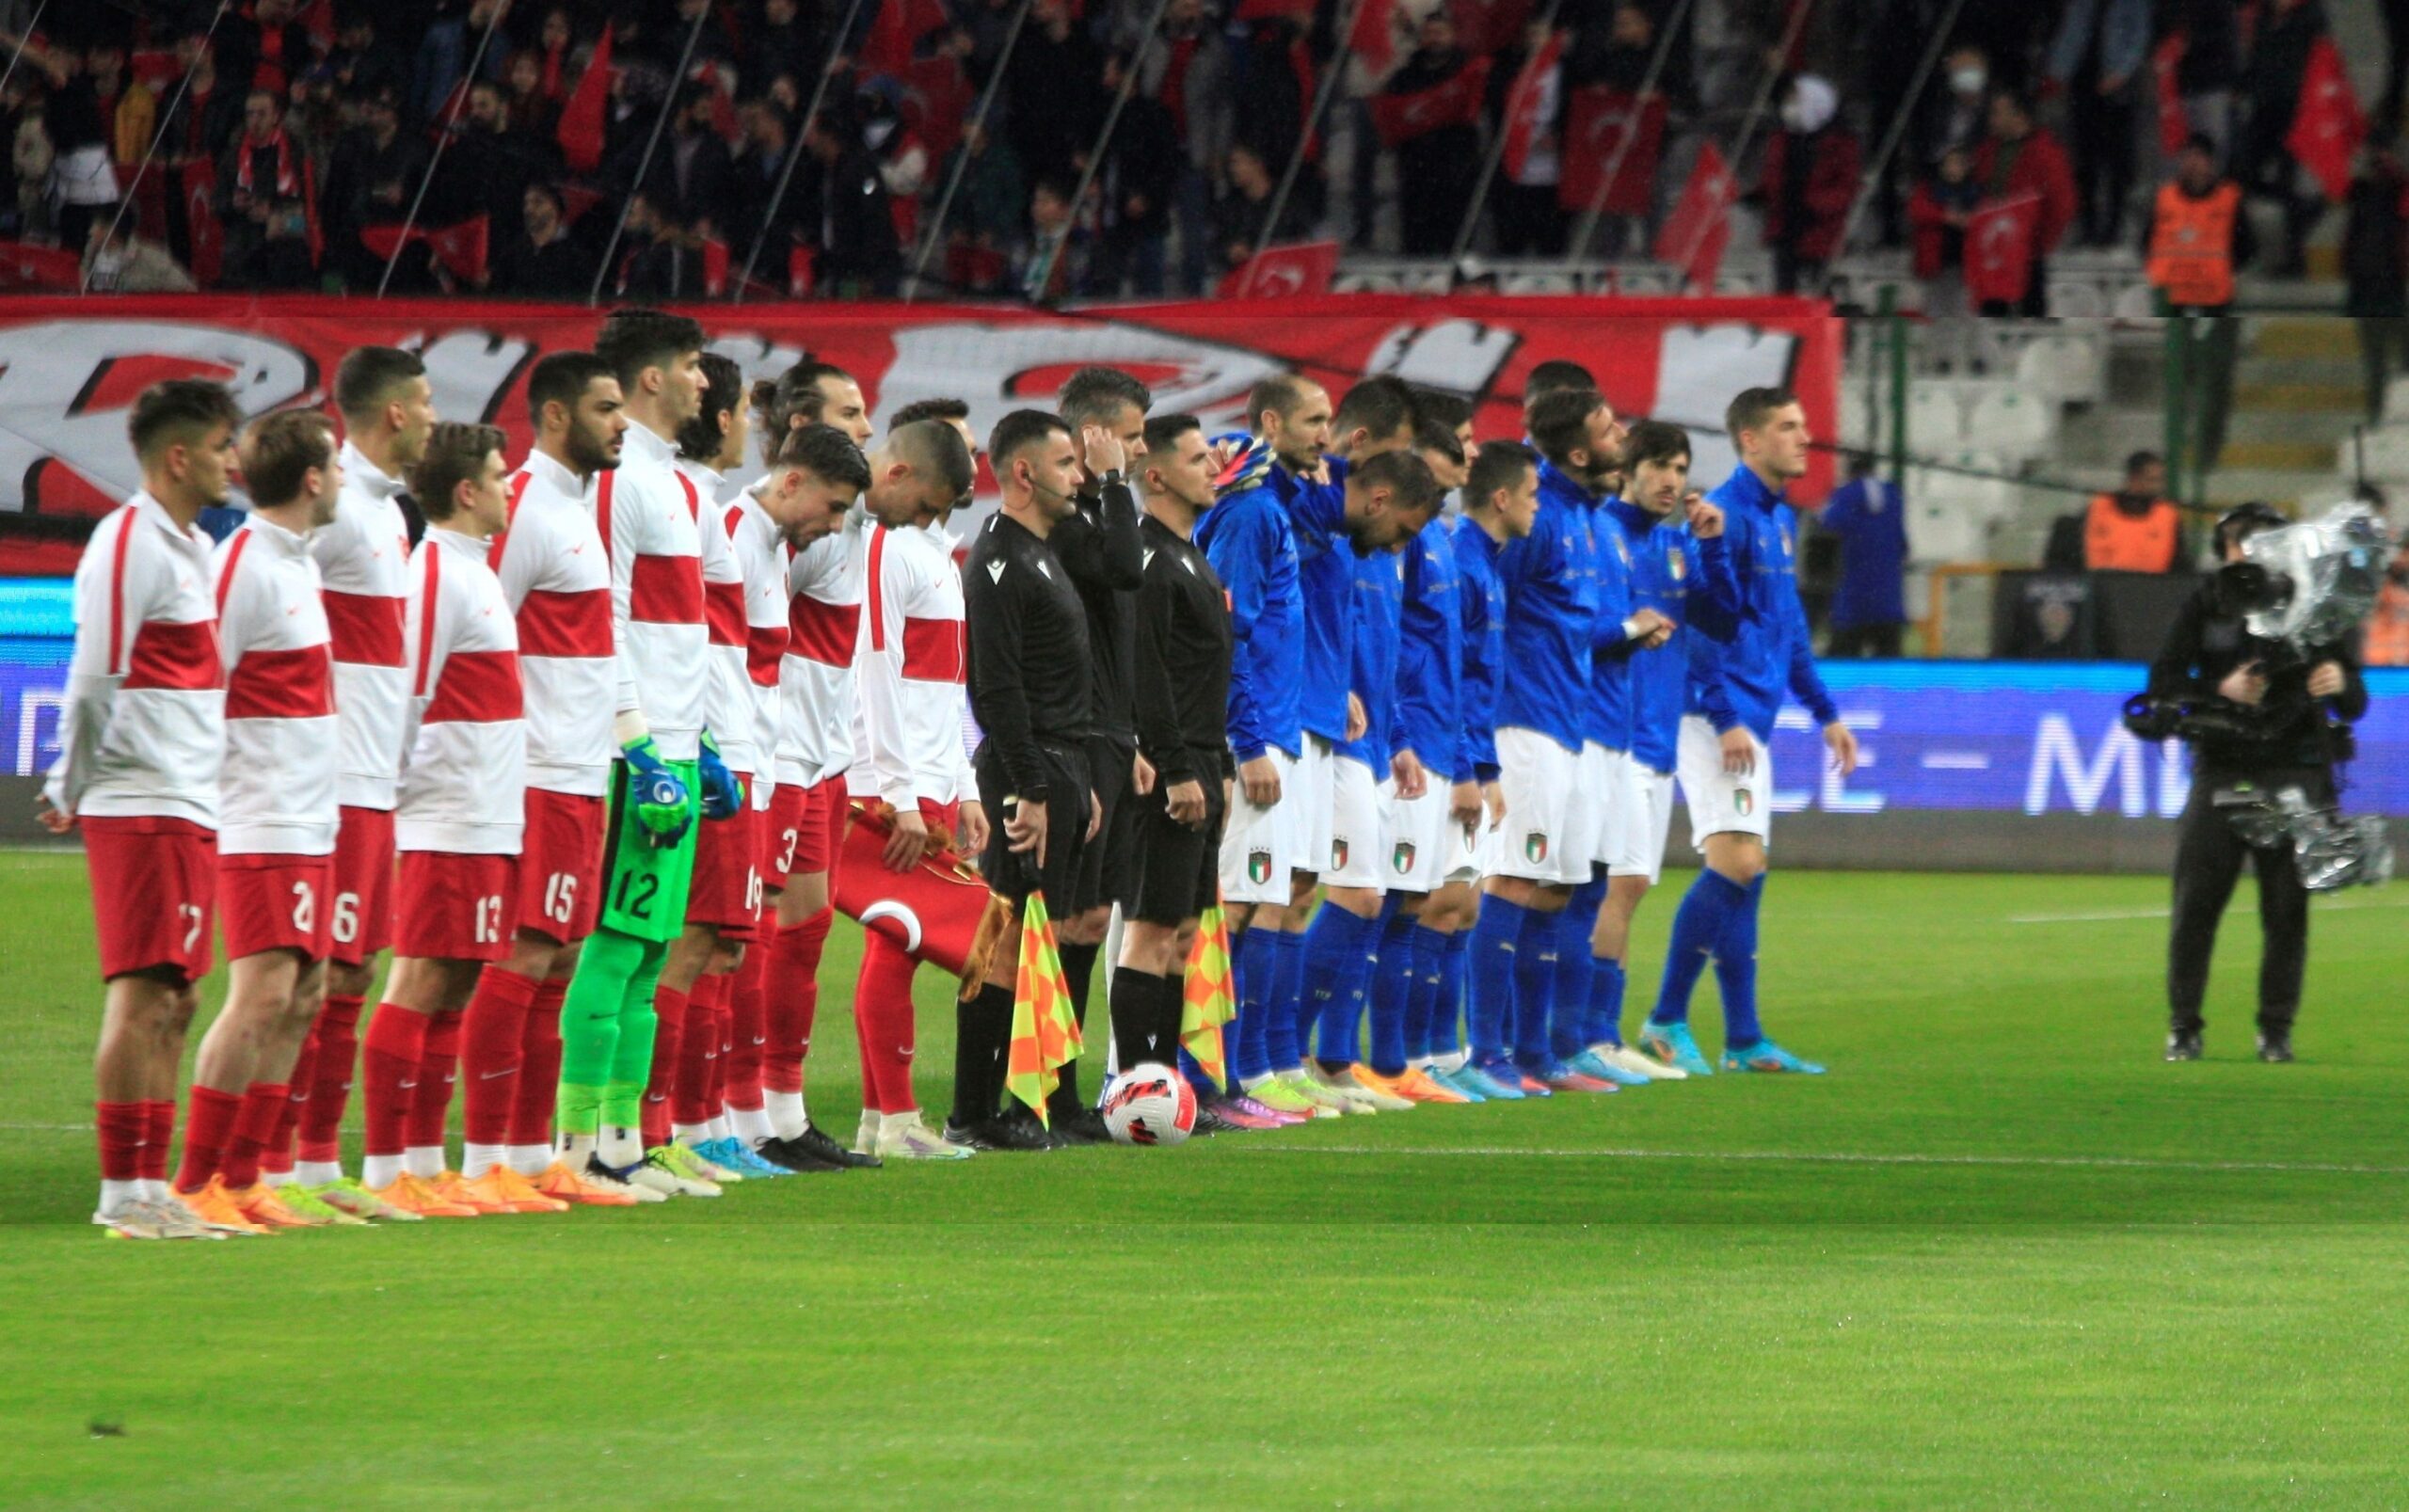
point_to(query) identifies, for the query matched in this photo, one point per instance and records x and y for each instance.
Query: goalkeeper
(669, 770)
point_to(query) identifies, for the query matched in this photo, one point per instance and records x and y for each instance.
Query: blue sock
(1696, 930)
(1257, 964)
(1605, 1002)
(1206, 1088)
(1568, 1028)
(1284, 1038)
(1335, 945)
(1489, 975)
(1535, 987)
(1735, 969)
(1394, 976)
(1429, 950)
(1447, 1016)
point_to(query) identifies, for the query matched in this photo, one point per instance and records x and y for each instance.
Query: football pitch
(2000, 1257)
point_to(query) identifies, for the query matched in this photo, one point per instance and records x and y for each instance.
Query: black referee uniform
(1182, 686)
(1100, 546)
(2302, 738)
(1030, 692)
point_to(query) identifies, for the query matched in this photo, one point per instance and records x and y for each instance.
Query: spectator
(781, 42)
(265, 47)
(2198, 233)
(1961, 114)
(83, 178)
(532, 109)
(1270, 91)
(902, 160)
(30, 156)
(265, 202)
(752, 187)
(444, 51)
(658, 262)
(492, 161)
(1938, 213)
(129, 111)
(2099, 58)
(1189, 74)
(2387, 631)
(2134, 529)
(374, 174)
(1055, 114)
(2271, 83)
(1811, 172)
(2020, 157)
(693, 176)
(1435, 168)
(1140, 179)
(849, 227)
(365, 64)
(2376, 273)
(2210, 66)
(1059, 249)
(125, 263)
(1529, 218)
(547, 259)
(982, 227)
(1870, 608)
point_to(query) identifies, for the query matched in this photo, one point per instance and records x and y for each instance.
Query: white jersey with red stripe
(144, 726)
(276, 794)
(911, 669)
(727, 708)
(555, 575)
(653, 523)
(364, 562)
(464, 787)
(816, 674)
(762, 554)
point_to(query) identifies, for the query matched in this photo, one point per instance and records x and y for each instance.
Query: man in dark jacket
(2375, 274)
(2304, 705)
(846, 217)
(1435, 168)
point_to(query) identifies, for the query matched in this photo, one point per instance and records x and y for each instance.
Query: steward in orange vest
(2198, 233)
(2133, 530)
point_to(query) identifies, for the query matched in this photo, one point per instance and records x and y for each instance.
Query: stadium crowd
(282, 144)
(591, 743)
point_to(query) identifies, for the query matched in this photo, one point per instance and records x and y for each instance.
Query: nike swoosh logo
(760, 1040)
(490, 1075)
(405, 1086)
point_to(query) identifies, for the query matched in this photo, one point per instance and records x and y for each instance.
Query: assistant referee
(1030, 691)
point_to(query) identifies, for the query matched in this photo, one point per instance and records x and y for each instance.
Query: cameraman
(2293, 724)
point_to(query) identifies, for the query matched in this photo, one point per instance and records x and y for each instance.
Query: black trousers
(2208, 858)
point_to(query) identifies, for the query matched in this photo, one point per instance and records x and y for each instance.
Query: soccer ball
(1150, 1104)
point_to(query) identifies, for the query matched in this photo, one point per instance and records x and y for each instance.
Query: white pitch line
(1807, 1157)
(2338, 906)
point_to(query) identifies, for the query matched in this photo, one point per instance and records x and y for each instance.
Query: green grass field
(2001, 1257)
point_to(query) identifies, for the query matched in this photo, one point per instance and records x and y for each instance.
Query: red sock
(698, 1053)
(795, 1003)
(337, 1036)
(158, 1132)
(279, 1156)
(539, 1066)
(726, 1019)
(438, 1066)
(206, 1131)
(389, 1067)
(883, 1025)
(668, 1039)
(493, 1038)
(748, 1010)
(264, 1105)
(120, 1126)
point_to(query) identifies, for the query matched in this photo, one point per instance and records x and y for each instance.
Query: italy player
(1727, 774)
(1680, 569)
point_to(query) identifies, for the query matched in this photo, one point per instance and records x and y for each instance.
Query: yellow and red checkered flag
(1207, 996)
(1046, 1032)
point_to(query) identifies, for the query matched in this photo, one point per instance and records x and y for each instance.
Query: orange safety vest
(2114, 541)
(2387, 640)
(2191, 244)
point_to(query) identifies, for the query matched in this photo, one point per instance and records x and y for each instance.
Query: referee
(2306, 704)
(1030, 691)
(1182, 665)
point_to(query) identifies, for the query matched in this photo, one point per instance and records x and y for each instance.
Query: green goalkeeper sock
(631, 1060)
(590, 1023)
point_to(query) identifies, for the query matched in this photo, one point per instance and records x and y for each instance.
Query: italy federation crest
(1338, 854)
(1258, 866)
(1745, 801)
(1535, 847)
(1401, 859)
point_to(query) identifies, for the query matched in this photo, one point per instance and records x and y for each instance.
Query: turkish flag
(1300, 12)
(1280, 272)
(580, 132)
(1999, 249)
(1694, 234)
(1373, 39)
(714, 268)
(2174, 127)
(1401, 118)
(460, 247)
(1596, 120)
(199, 188)
(24, 265)
(932, 911)
(1525, 100)
(2327, 126)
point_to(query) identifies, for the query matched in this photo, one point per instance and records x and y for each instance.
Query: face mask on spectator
(1969, 81)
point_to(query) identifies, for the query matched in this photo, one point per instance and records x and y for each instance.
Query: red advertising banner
(71, 368)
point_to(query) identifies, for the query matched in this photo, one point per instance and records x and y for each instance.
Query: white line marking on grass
(1809, 1158)
(2337, 906)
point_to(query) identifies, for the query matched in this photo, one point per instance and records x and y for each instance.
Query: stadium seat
(2012, 420)
(2076, 299)
(1936, 416)
(1942, 526)
(2135, 301)
(1858, 422)
(2069, 367)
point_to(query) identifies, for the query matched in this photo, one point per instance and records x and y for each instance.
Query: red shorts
(362, 918)
(726, 891)
(276, 903)
(826, 810)
(561, 864)
(155, 888)
(455, 907)
(782, 835)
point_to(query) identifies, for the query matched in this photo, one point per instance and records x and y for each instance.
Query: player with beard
(387, 409)
(1681, 568)
(1106, 410)
(1031, 692)
(1735, 689)
(914, 758)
